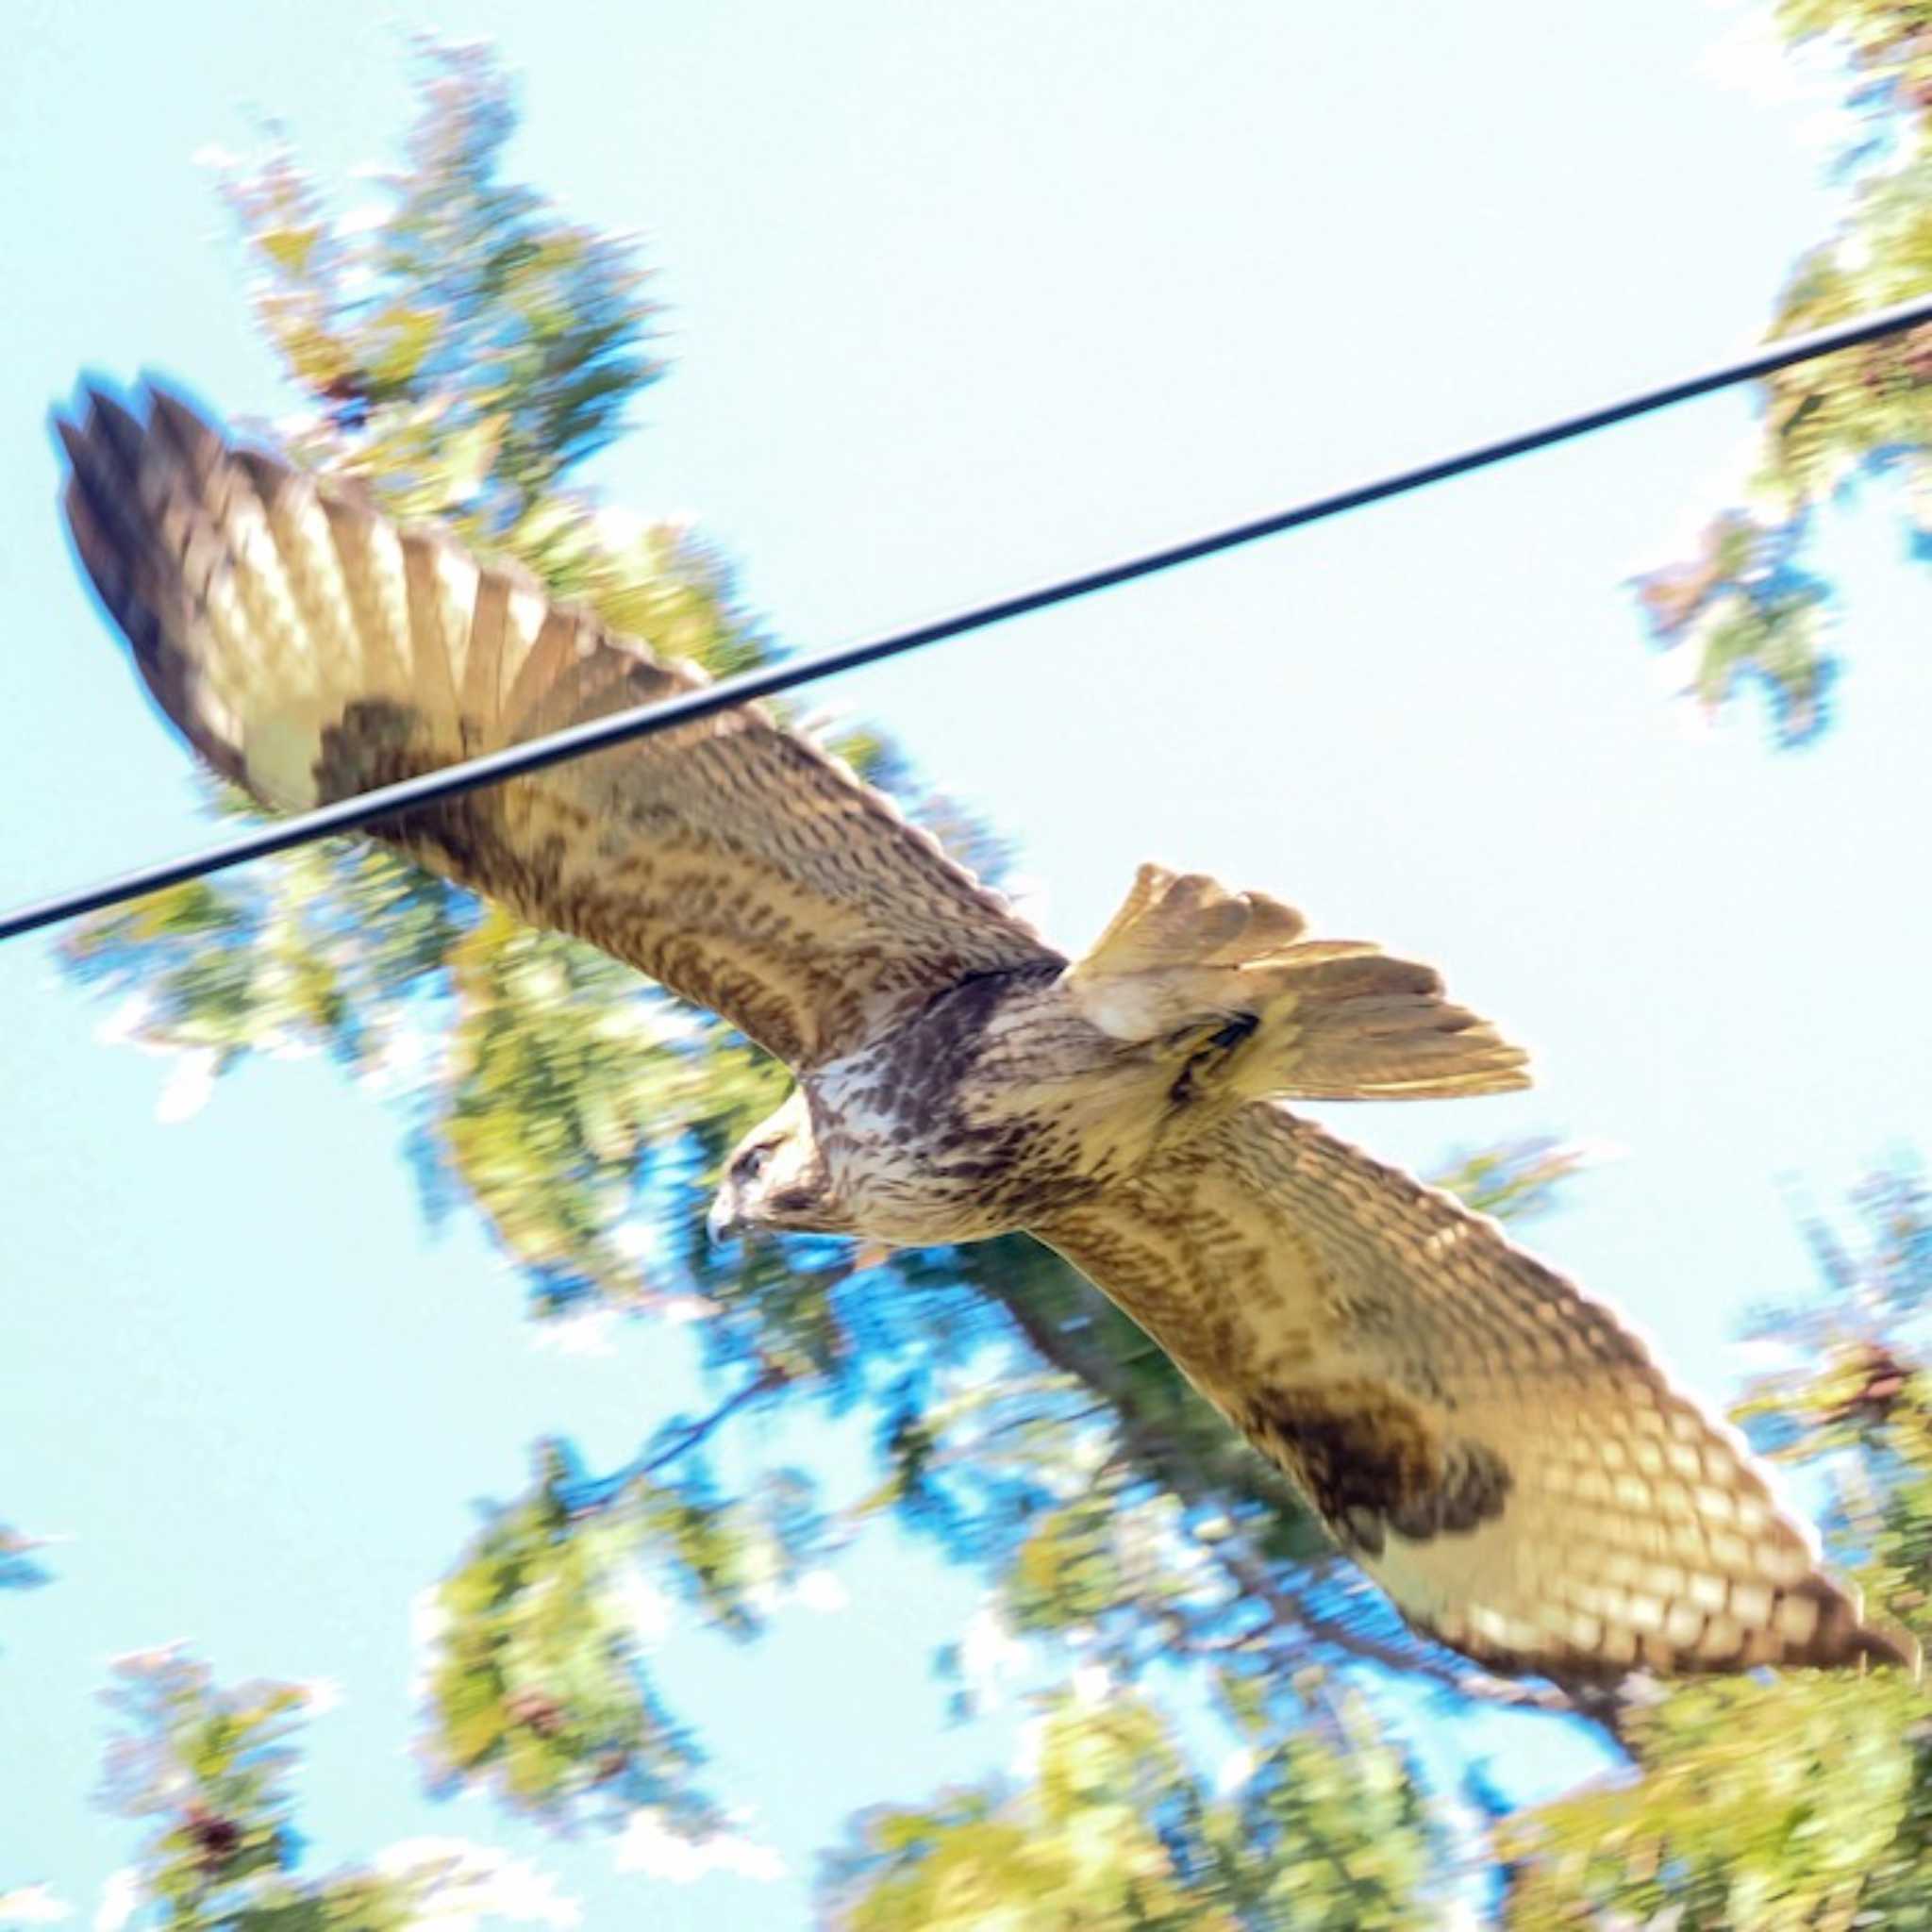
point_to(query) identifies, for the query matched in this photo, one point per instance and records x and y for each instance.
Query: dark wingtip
(151, 401)
(69, 418)
(99, 460)
(70, 435)
(1872, 1644)
(109, 420)
(170, 412)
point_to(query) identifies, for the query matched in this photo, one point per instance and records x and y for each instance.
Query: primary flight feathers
(1493, 1447)
(309, 648)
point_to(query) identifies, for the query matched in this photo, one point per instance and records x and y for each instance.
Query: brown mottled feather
(309, 649)
(1492, 1446)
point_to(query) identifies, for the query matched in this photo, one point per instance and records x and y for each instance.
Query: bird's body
(1496, 1449)
(990, 1107)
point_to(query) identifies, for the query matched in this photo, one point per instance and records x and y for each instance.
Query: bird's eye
(751, 1163)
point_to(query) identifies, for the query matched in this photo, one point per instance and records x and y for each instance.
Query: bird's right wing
(310, 649)
(1495, 1449)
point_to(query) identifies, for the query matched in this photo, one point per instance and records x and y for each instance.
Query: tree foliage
(1805, 1802)
(1745, 612)
(1324, 1829)
(209, 1769)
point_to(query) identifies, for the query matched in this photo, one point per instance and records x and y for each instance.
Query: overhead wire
(644, 721)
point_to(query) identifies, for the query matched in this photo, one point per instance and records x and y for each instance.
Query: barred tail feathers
(1225, 983)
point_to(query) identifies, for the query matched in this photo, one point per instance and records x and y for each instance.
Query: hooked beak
(720, 1224)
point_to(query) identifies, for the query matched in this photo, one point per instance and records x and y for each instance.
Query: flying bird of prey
(1491, 1445)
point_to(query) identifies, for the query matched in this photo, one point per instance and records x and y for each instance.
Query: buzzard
(1495, 1448)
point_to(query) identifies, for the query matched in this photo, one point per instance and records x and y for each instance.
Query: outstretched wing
(1498, 1453)
(310, 649)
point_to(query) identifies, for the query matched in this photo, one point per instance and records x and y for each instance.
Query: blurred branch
(1292, 1610)
(580, 1495)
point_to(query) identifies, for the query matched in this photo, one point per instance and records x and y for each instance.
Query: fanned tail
(1225, 984)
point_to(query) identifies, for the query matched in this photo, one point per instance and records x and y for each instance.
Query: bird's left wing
(309, 649)
(1493, 1447)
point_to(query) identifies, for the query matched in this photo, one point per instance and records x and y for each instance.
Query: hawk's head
(777, 1177)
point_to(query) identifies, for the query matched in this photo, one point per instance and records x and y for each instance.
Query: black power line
(349, 814)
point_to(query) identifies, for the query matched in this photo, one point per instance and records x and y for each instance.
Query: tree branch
(582, 1495)
(768, 1378)
(1287, 1608)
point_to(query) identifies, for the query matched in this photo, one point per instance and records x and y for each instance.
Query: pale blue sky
(960, 297)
